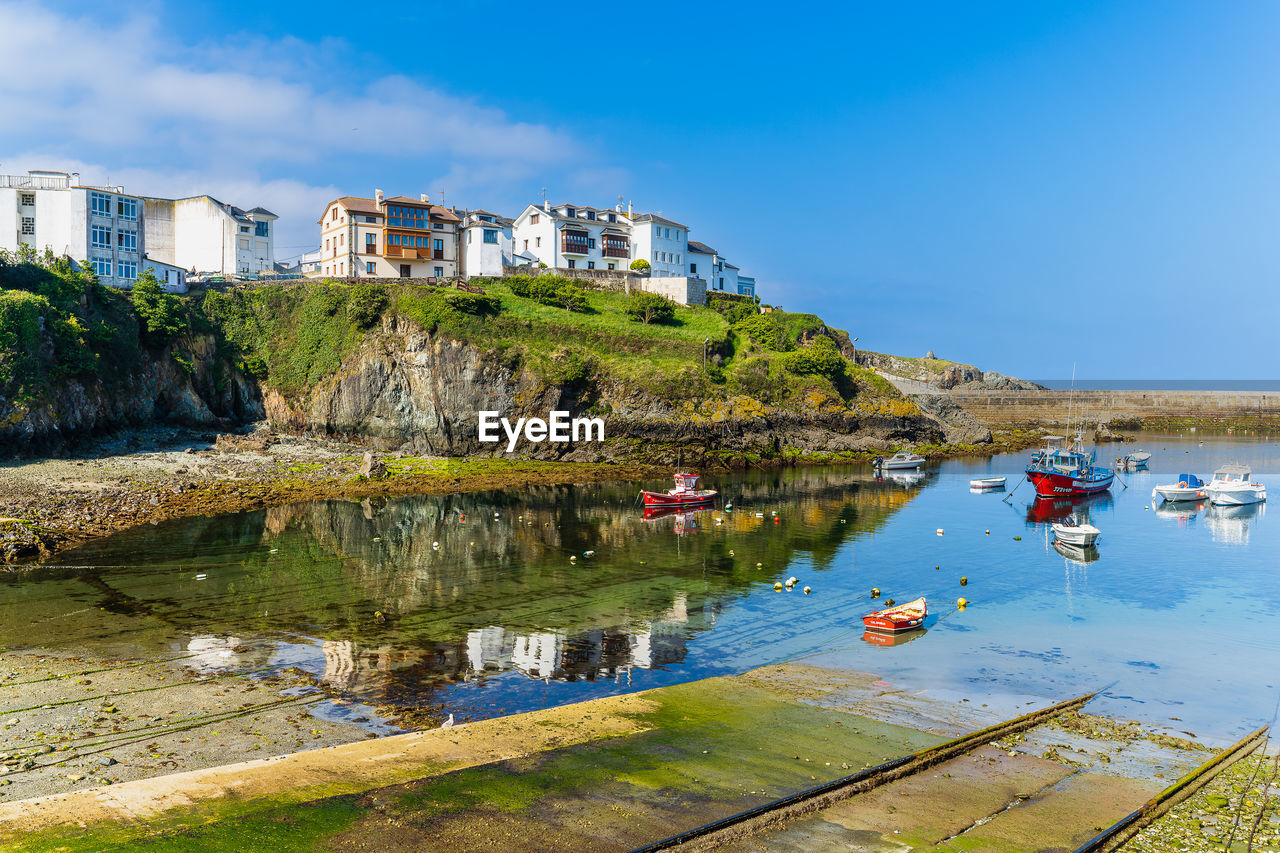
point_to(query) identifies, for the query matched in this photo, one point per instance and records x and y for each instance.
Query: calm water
(1176, 610)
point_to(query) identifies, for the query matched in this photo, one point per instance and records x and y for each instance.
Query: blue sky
(1022, 186)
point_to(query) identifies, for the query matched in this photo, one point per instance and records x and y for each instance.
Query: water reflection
(1080, 555)
(1048, 510)
(1230, 524)
(1183, 512)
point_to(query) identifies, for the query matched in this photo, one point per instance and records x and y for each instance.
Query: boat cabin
(686, 482)
(1233, 474)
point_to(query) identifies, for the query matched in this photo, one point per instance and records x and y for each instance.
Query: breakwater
(1121, 408)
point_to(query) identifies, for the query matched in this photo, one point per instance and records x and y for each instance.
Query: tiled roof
(404, 199)
(358, 204)
(653, 217)
(438, 212)
(262, 211)
(701, 248)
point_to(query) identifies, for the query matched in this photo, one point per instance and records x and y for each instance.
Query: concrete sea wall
(1109, 407)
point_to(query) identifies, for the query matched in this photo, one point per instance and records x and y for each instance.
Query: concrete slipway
(621, 772)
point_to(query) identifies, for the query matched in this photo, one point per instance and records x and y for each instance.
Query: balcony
(573, 247)
(616, 252)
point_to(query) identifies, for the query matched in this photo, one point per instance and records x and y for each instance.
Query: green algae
(710, 748)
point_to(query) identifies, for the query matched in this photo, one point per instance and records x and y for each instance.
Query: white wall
(703, 263)
(481, 258)
(665, 247)
(681, 289)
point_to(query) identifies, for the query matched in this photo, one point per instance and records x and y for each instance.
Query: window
(100, 237)
(29, 225)
(439, 272)
(260, 229)
(613, 266)
(29, 199)
(100, 204)
(591, 265)
(655, 254)
(537, 242)
(533, 220)
(573, 264)
(677, 257)
(613, 217)
(326, 244)
(526, 245)
(127, 241)
(591, 214)
(342, 268)
(342, 238)
(127, 269)
(370, 244)
(491, 235)
(439, 247)
(244, 229)
(722, 284)
(571, 213)
(127, 208)
(370, 219)
(668, 234)
(438, 226)
(591, 242)
(693, 269)
(370, 267)
(102, 266)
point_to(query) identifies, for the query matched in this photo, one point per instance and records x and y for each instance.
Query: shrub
(645, 307)
(640, 264)
(733, 310)
(366, 303)
(479, 304)
(553, 290)
(161, 313)
(821, 358)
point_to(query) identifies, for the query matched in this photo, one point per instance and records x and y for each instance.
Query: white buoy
(435, 544)
(808, 590)
(588, 553)
(939, 531)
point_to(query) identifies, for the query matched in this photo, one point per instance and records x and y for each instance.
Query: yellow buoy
(875, 592)
(962, 603)
(964, 581)
(730, 553)
(889, 602)
(807, 590)
(777, 587)
(988, 533)
(1017, 539)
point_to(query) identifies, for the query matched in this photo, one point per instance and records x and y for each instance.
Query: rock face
(960, 426)
(406, 390)
(945, 376)
(212, 394)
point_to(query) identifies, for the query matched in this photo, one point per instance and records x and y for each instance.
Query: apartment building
(571, 236)
(103, 227)
(209, 236)
(662, 242)
(484, 242)
(396, 237)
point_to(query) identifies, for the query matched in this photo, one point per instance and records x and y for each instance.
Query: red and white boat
(1062, 472)
(686, 493)
(902, 617)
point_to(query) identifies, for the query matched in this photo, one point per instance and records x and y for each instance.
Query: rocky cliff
(405, 389)
(211, 392)
(942, 374)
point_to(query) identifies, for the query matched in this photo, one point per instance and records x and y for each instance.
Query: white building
(663, 243)
(171, 278)
(380, 237)
(707, 264)
(101, 226)
(570, 236)
(746, 285)
(209, 236)
(484, 243)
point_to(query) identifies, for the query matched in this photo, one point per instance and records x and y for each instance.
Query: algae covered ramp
(712, 835)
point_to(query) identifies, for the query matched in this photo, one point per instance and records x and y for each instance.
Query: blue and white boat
(1188, 488)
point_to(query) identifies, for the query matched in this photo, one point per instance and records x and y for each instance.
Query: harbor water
(491, 603)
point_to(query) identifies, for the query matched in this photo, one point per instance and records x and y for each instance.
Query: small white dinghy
(1071, 532)
(987, 483)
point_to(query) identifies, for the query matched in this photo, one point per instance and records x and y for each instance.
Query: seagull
(447, 723)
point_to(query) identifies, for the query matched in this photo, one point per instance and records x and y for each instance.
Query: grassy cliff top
(566, 332)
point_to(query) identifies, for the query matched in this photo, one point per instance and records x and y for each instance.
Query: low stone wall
(686, 291)
(1052, 407)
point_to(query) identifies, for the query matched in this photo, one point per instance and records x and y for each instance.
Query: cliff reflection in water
(407, 594)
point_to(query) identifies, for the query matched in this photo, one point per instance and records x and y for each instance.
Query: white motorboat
(987, 483)
(1232, 485)
(900, 461)
(1188, 488)
(1071, 532)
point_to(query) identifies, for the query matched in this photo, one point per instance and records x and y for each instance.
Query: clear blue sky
(1024, 185)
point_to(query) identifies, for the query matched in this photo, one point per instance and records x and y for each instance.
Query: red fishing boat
(686, 493)
(1063, 472)
(902, 617)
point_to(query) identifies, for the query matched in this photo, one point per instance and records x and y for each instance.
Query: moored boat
(1071, 532)
(1232, 485)
(987, 482)
(686, 493)
(1059, 471)
(1188, 488)
(901, 617)
(1136, 459)
(902, 460)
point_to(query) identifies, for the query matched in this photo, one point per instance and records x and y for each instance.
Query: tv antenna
(544, 195)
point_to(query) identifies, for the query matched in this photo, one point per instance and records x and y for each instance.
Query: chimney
(377, 196)
(546, 205)
(629, 216)
(425, 198)
(617, 208)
